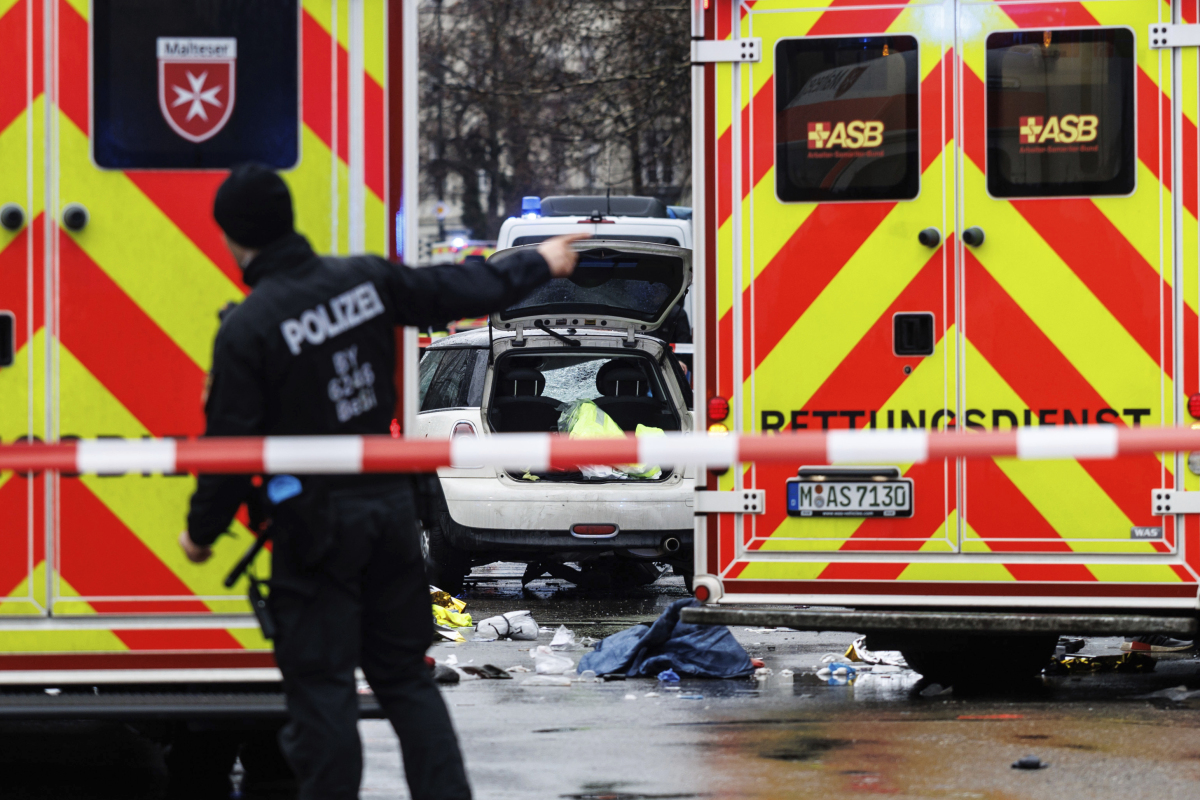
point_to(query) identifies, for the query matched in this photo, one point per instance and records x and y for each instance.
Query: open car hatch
(628, 286)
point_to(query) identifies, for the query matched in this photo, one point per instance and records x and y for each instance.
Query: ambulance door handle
(930, 237)
(12, 217)
(973, 236)
(75, 217)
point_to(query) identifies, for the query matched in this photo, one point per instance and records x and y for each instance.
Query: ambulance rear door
(23, 342)
(834, 289)
(1070, 310)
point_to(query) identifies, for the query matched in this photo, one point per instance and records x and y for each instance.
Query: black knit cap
(253, 206)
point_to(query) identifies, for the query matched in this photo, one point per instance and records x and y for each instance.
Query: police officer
(312, 351)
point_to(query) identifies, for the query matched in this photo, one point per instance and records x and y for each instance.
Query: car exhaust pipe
(671, 544)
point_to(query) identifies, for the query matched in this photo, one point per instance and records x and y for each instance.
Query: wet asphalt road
(1100, 734)
(809, 739)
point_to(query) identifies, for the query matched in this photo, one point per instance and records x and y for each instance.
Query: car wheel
(445, 564)
(685, 570)
(687, 573)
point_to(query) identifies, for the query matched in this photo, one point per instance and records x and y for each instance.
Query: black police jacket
(312, 349)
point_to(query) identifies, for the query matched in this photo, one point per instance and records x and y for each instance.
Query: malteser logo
(850, 135)
(1064, 130)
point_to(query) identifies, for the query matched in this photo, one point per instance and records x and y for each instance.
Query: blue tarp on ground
(695, 651)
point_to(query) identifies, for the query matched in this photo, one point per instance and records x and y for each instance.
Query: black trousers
(366, 604)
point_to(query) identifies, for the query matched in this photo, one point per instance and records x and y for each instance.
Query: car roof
(476, 337)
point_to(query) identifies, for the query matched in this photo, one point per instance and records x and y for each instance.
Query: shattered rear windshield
(634, 286)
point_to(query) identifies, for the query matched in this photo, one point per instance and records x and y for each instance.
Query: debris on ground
(548, 662)
(1068, 645)
(1029, 762)
(668, 676)
(762, 673)
(838, 670)
(934, 690)
(443, 634)
(487, 671)
(515, 625)
(445, 674)
(1126, 662)
(1176, 694)
(564, 639)
(857, 652)
(448, 610)
(518, 668)
(699, 651)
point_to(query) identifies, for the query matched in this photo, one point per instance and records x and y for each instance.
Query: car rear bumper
(502, 504)
(650, 545)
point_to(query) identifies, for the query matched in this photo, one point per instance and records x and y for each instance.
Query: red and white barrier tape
(540, 451)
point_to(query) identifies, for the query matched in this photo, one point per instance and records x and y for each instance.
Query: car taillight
(1194, 406)
(463, 428)
(593, 530)
(718, 409)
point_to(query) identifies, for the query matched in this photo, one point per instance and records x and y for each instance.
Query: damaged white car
(578, 356)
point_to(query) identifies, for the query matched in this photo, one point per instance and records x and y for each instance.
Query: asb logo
(850, 135)
(1064, 130)
(196, 85)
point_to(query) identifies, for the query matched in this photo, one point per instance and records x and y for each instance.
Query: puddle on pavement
(804, 748)
(955, 748)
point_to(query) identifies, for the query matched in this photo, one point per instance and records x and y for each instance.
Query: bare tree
(527, 97)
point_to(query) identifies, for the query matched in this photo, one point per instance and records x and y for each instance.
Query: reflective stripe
(1096, 441)
(115, 456)
(678, 449)
(886, 447)
(518, 451)
(313, 454)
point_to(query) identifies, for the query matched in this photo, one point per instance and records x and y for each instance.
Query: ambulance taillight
(1194, 406)
(718, 409)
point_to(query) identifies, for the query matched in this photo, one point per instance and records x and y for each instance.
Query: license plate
(863, 498)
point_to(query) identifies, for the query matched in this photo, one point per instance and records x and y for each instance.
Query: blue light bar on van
(531, 207)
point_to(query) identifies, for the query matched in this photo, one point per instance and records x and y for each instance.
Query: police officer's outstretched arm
(431, 295)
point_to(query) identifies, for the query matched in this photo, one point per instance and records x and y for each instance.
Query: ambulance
(949, 215)
(118, 121)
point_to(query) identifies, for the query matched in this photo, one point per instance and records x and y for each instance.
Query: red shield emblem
(196, 82)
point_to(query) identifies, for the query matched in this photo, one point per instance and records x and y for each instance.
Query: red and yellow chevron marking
(1069, 306)
(136, 295)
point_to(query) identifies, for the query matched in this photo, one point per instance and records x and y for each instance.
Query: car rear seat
(625, 396)
(518, 405)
